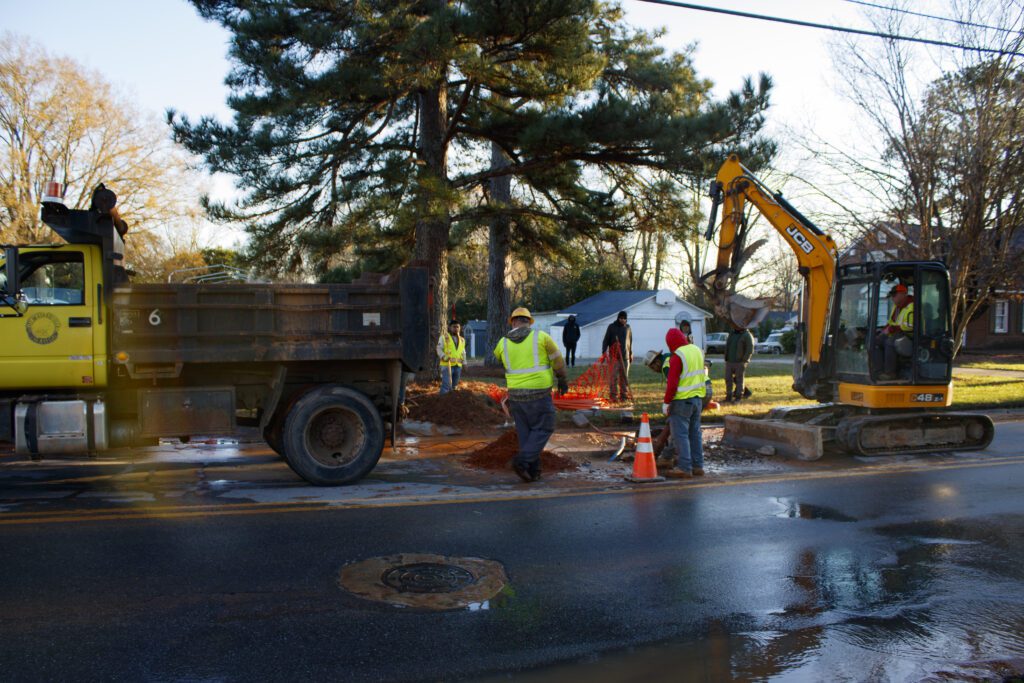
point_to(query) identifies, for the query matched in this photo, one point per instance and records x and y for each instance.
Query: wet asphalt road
(903, 573)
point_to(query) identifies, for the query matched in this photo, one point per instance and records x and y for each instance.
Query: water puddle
(792, 509)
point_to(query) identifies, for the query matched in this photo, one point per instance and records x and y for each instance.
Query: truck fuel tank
(44, 427)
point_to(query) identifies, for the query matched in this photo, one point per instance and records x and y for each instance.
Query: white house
(650, 315)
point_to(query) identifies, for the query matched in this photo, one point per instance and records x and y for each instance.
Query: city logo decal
(42, 328)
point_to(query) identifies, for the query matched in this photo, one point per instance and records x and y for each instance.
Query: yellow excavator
(844, 316)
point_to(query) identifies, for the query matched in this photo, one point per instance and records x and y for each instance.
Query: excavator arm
(733, 188)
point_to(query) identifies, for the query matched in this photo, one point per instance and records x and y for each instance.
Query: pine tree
(363, 130)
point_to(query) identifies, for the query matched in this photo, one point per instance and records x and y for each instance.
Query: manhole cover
(428, 577)
(425, 581)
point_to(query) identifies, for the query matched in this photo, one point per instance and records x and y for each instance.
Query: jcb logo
(798, 237)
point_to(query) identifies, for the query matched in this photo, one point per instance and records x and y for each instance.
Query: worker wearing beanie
(684, 393)
(532, 361)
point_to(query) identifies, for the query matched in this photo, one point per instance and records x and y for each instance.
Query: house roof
(604, 304)
(780, 316)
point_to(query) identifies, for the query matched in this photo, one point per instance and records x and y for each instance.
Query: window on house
(882, 238)
(1001, 317)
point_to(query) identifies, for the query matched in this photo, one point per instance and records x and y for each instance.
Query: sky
(163, 52)
(163, 55)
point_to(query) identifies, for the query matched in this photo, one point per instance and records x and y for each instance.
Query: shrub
(788, 341)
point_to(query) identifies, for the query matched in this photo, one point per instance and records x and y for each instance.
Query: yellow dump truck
(90, 362)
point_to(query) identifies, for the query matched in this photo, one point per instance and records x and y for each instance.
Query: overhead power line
(831, 27)
(962, 22)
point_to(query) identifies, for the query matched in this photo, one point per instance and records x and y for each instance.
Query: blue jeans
(535, 423)
(450, 377)
(684, 419)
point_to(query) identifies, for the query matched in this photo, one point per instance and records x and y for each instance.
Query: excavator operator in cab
(894, 339)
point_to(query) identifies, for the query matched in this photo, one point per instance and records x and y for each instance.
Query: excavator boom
(733, 189)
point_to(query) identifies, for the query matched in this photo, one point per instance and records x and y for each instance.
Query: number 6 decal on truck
(154, 318)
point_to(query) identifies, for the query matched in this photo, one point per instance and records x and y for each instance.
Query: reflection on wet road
(906, 571)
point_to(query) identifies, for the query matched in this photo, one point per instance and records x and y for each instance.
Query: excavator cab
(865, 347)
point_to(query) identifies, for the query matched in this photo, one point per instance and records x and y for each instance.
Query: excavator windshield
(891, 324)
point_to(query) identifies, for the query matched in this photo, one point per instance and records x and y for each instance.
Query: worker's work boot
(523, 472)
(698, 471)
(535, 472)
(676, 473)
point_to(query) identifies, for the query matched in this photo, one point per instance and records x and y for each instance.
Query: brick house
(996, 327)
(999, 326)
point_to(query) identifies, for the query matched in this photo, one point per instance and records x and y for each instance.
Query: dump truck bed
(377, 317)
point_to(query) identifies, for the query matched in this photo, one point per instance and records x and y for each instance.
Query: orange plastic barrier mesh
(589, 391)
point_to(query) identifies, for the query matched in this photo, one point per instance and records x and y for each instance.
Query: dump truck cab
(58, 340)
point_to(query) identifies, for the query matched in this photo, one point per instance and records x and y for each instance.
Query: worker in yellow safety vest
(897, 330)
(684, 398)
(532, 362)
(451, 349)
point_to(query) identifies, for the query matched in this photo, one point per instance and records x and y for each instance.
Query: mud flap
(801, 441)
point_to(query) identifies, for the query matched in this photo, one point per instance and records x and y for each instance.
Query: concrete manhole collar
(424, 581)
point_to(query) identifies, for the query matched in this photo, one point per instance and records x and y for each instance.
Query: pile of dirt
(464, 408)
(498, 455)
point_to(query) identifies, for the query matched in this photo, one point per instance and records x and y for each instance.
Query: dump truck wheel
(272, 435)
(333, 435)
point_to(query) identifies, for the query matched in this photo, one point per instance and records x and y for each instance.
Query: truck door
(51, 346)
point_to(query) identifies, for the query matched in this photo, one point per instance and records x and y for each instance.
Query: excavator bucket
(791, 439)
(743, 311)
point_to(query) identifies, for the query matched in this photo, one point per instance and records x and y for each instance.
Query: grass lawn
(772, 386)
(980, 391)
(991, 361)
(993, 365)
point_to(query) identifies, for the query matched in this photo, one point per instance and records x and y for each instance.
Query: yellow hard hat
(520, 313)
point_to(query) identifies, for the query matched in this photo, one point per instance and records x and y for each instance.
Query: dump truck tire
(272, 435)
(333, 435)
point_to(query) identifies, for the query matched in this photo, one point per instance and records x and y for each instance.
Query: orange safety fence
(589, 391)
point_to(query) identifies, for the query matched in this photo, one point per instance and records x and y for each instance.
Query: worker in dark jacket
(739, 347)
(619, 333)
(570, 337)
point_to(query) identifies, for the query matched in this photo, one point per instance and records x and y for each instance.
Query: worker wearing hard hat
(451, 349)
(685, 389)
(896, 334)
(532, 362)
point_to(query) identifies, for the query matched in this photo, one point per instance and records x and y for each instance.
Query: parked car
(773, 344)
(716, 342)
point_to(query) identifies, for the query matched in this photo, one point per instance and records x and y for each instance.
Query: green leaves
(331, 150)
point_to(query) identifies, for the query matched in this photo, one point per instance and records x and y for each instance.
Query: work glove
(563, 386)
(665, 407)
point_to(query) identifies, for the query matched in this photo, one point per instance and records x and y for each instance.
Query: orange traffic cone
(644, 469)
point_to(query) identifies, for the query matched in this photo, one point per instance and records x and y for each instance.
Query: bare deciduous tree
(949, 166)
(59, 121)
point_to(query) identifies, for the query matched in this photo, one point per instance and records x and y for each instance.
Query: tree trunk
(498, 258)
(434, 223)
(659, 258)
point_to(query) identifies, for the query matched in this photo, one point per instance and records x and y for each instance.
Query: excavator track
(927, 432)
